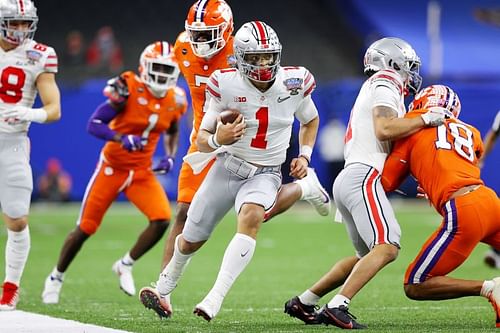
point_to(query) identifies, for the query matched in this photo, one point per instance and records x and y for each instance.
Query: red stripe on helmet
(21, 7)
(261, 31)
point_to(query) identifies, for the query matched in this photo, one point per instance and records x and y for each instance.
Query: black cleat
(340, 317)
(201, 313)
(306, 313)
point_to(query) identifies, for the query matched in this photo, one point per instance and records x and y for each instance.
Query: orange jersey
(146, 116)
(443, 159)
(196, 71)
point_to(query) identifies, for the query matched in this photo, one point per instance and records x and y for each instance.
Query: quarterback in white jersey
(246, 173)
(26, 68)
(268, 115)
(376, 119)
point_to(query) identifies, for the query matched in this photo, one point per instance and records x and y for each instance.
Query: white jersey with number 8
(19, 69)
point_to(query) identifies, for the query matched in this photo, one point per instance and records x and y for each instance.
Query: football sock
(238, 254)
(487, 288)
(16, 254)
(339, 300)
(309, 298)
(56, 274)
(173, 271)
(127, 260)
(305, 188)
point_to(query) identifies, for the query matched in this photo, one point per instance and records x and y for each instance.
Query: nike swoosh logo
(283, 99)
(244, 254)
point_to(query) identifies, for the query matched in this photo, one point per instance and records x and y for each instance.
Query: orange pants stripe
(467, 221)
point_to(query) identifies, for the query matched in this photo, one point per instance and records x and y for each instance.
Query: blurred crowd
(101, 57)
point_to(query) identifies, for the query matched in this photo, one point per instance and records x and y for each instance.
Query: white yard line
(26, 322)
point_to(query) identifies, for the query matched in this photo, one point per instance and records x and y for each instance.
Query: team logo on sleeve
(33, 56)
(293, 85)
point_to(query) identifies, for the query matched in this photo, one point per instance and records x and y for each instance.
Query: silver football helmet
(258, 51)
(395, 54)
(21, 11)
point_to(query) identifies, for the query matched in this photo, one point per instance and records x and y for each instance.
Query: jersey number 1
(259, 141)
(11, 83)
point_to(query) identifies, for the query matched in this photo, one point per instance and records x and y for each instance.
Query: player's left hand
(21, 114)
(298, 167)
(165, 165)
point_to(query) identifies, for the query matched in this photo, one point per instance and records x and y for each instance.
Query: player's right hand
(436, 116)
(231, 132)
(132, 142)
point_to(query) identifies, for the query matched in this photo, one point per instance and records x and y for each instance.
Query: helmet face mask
(209, 26)
(437, 95)
(397, 55)
(257, 51)
(18, 21)
(158, 68)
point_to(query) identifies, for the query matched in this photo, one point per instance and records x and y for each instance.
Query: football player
(138, 110)
(247, 174)
(26, 68)
(376, 119)
(205, 46)
(445, 164)
(492, 257)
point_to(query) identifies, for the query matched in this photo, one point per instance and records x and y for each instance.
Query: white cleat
(124, 272)
(314, 193)
(52, 290)
(492, 259)
(494, 299)
(207, 309)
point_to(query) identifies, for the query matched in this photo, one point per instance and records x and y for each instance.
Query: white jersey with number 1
(384, 88)
(19, 69)
(269, 115)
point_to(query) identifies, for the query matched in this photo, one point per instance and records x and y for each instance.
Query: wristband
(38, 115)
(212, 142)
(306, 152)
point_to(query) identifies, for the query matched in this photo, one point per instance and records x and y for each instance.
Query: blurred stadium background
(458, 42)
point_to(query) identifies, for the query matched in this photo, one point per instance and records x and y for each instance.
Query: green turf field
(293, 250)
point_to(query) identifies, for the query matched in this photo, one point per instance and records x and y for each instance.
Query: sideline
(26, 322)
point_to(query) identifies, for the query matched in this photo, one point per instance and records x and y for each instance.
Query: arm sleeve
(98, 122)
(309, 83)
(387, 90)
(51, 63)
(307, 110)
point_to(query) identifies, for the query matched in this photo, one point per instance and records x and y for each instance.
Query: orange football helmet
(158, 68)
(209, 25)
(437, 95)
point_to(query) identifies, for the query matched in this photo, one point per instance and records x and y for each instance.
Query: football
(229, 116)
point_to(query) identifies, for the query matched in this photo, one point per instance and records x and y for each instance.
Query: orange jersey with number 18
(196, 71)
(443, 159)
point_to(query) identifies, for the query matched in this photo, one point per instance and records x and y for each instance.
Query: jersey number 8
(11, 83)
